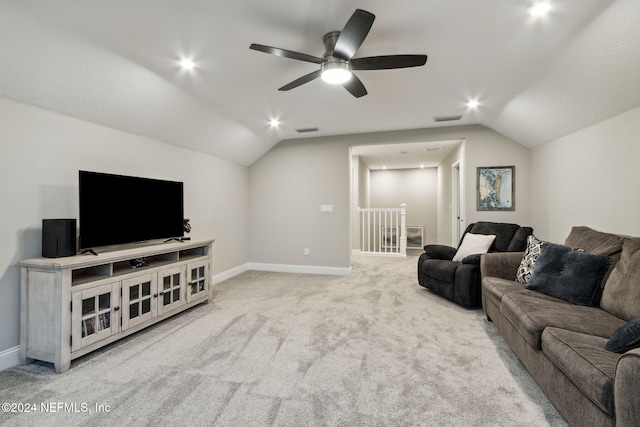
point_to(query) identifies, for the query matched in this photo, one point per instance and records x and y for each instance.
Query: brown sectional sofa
(562, 344)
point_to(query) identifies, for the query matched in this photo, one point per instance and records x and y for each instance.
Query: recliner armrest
(472, 259)
(440, 252)
(503, 265)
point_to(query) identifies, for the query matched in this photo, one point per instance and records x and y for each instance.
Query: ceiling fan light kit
(336, 72)
(338, 62)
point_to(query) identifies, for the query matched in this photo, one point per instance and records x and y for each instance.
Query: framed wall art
(496, 186)
(415, 237)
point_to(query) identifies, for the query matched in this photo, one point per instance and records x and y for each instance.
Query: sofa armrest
(626, 389)
(440, 252)
(503, 265)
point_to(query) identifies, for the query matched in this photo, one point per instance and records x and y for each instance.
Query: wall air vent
(307, 130)
(446, 118)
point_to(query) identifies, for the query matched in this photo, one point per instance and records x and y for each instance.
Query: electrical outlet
(306, 251)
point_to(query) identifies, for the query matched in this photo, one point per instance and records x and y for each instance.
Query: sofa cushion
(495, 288)
(621, 294)
(529, 259)
(625, 338)
(519, 241)
(442, 270)
(473, 244)
(504, 233)
(599, 243)
(568, 274)
(530, 315)
(583, 359)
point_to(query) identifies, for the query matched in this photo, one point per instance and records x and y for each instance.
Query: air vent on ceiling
(307, 130)
(446, 118)
(432, 149)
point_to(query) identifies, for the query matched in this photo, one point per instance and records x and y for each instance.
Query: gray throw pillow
(568, 274)
(625, 338)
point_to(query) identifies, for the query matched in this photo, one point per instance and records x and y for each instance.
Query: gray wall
(287, 187)
(360, 181)
(290, 182)
(417, 188)
(589, 178)
(40, 155)
(445, 196)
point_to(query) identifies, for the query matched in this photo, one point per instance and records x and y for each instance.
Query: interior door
(456, 202)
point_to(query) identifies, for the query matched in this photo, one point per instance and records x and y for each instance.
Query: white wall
(589, 177)
(417, 188)
(40, 155)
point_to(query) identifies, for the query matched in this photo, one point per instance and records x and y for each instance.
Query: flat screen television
(118, 209)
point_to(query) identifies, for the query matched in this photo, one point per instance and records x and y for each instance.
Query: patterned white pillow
(529, 259)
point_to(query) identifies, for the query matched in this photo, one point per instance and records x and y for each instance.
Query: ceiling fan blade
(355, 87)
(302, 80)
(388, 62)
(353, 34)
(286, 53)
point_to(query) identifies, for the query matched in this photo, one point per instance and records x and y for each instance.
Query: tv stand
(177, 239)
(74, 305)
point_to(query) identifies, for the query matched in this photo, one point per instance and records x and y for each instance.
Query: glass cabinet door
(171, 289)
(139, 300)
(95, 314)
(197, 281)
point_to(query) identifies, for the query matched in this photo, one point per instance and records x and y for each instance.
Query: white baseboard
(305, 269)
(279, 268)
(221, 277)
(381, 254)
(9, 358)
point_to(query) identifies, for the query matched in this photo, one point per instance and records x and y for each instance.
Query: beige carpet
(274, 349)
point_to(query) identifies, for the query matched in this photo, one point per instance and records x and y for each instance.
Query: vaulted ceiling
(115, 63)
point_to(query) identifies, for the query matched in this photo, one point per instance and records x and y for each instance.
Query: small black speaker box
(58, 238)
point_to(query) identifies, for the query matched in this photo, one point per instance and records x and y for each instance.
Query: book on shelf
(88, 327)
(105, 321)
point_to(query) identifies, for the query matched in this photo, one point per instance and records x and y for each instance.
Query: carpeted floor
(275, 349)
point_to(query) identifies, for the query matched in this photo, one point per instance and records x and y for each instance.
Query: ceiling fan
(338, 62)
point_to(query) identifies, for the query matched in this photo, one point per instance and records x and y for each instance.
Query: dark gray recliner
(460, 281)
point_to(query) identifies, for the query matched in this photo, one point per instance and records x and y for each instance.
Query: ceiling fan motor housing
(334, 70)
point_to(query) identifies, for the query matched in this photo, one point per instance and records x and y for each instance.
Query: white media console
(74, 305)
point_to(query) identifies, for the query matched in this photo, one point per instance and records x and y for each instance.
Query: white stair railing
(383, 231)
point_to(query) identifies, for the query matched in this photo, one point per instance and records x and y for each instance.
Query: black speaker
(58, 238)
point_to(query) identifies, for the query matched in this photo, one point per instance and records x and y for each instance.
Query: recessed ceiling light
(187, 64)
(384, 168)
(472, 104)
(274, 123)
(539, 8)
